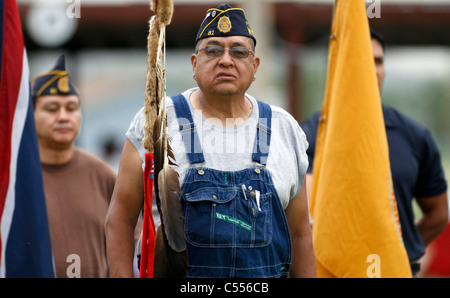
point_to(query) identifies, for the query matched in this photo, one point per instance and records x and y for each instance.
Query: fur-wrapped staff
(163, 254)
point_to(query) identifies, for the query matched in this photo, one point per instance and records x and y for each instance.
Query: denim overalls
(234, 222)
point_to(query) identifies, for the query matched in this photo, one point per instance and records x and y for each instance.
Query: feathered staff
(169, 257)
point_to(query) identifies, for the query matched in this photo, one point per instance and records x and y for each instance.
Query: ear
(194, 63)
(256, 62)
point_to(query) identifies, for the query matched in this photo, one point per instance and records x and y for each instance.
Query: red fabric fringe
(148, 230)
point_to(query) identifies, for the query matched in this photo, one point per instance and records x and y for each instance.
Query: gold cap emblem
(224, 24)
(63, 84)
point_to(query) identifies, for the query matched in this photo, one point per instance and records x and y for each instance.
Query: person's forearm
(303, 258)
(434, 218)
(430, 227)
(120, 248)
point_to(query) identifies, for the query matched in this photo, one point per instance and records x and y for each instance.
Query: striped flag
(25, 238)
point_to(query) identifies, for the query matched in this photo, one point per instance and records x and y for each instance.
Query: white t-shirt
(230, 148)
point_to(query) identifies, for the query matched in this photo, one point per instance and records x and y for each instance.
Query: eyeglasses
(214, 51)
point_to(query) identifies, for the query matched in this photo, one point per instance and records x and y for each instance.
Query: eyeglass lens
(218, 51)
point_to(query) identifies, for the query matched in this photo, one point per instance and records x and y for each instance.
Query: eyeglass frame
(218, 46)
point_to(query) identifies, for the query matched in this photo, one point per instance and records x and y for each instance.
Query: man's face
(378, 56)
(57, 119)
(224, 75)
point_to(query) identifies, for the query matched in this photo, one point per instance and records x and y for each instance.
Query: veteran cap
(224, 21)
(54, 82)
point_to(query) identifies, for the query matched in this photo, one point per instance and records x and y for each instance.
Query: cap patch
(63, 84)
(224, 24)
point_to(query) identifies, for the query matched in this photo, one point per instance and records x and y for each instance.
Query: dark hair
(378, 37)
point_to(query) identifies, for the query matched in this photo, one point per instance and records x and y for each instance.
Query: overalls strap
(191, 140)
(188, 130)
(263, 133)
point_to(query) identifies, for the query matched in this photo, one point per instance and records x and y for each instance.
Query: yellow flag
(356, 231)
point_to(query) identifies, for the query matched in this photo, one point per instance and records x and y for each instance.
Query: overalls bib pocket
(224, 217)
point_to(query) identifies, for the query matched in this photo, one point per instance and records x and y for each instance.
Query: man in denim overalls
(242, 165)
